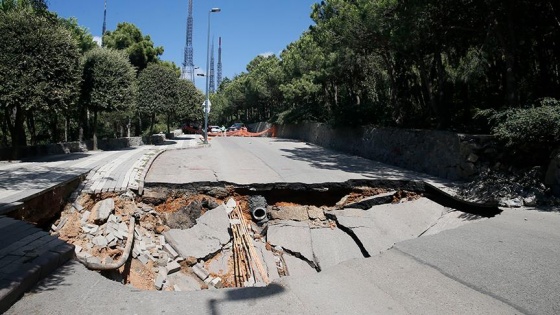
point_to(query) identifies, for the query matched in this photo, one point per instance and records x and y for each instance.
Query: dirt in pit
(154, 219)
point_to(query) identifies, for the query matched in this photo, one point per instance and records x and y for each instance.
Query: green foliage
(81, 35)
(416, 64)
(39, 71)
(158, 91)
(107, 81)
(139, 48)
(530, 128)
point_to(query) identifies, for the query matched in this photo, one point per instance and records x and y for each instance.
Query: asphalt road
(503, 265)
(267, 160)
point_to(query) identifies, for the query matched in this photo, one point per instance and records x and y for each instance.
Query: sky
(248, 27)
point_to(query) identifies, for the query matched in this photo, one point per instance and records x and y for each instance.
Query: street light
(207, 101)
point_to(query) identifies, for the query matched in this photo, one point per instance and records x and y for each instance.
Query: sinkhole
(224, 236)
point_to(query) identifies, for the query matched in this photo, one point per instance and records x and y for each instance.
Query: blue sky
(247, 27)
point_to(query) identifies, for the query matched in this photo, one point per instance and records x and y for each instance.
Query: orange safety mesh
(236, 133)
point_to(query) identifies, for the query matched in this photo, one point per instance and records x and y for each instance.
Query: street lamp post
(207, 101)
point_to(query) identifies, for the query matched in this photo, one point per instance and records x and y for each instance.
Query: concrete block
(170, 250)
(172, 267)
(217, 283)
(77, 206)
(161, 240)
(135, 252)
(160, 280)
(104, 208)
(77, 248)
(100, 241)
(200, 272)
(143, 258)
(85, 216)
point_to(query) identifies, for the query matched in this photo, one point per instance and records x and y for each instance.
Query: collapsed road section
(185, 239)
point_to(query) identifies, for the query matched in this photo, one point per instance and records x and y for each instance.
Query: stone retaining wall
(68, 147)
(440, 153)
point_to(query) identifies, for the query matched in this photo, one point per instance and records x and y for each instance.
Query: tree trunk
(31, 128)
(18, 132)
(152, 120)
(94, 130)
(168, 123)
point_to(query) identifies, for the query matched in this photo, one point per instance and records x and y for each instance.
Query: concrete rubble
(296, 240)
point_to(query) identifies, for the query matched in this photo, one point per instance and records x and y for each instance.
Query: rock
(185, 217)
(315, 213)
(511, 203)
(218, 192)
(292, 236)
(103, 209)
(296, 213)
(154, 197)
(530, 201)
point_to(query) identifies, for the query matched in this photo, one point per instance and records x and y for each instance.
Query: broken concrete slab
(100, 241)
(292, 236)
(103, 209)
(199, 241)
(333, 246)
(296, 213)
(452, 219)
(378, 228)
(268, 259)
(296, 266)
(369, 202)
(218, 220)
(219, 265)
(183, 282)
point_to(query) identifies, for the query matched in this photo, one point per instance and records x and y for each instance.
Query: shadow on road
(246, 294)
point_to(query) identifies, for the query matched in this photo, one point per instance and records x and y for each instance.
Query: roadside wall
(68, 147)
(439, 153)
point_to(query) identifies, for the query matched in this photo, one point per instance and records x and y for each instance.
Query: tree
(39, 71)
(158, 92)
(190, 101)
(107, 83)
(139, 48)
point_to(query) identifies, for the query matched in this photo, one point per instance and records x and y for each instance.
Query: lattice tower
(219, 76)
(187, 72)
(104, 22)
(212, 84)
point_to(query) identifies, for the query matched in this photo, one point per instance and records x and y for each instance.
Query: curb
(145, 171)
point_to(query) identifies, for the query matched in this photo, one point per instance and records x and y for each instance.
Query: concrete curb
(145, 171)
(23, 273)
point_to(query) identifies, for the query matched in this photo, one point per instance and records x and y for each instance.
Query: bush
(534, 130)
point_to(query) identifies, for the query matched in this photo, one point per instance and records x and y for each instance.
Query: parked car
(236, 126)
(214, 129)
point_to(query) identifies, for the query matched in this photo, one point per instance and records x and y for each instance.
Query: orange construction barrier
(236, 133)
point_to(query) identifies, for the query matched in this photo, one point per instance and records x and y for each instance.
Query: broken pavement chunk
(292, 236)
(103, 209)
(200, 272)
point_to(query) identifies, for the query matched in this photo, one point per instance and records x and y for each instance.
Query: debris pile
(192, 242)
(512, 188)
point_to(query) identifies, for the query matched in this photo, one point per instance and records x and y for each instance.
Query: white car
(214, 129)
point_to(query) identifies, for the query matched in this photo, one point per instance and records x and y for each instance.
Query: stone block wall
(439, 153)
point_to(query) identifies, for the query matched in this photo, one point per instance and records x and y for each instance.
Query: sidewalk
(27, 253)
